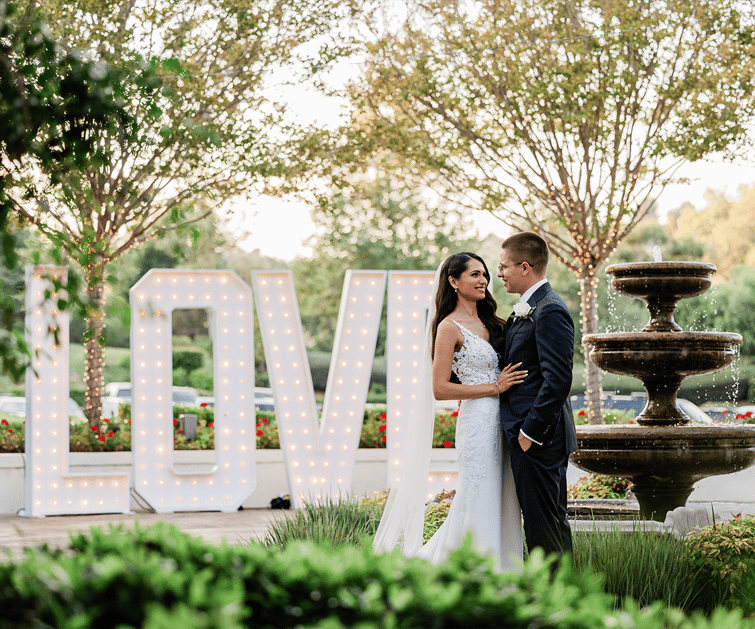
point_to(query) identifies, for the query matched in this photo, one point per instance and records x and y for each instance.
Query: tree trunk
(94, 339)
(593, 389)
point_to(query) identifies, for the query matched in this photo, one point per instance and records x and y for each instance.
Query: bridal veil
(402, 522)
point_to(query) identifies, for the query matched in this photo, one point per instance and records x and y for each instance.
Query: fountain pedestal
(662, 456)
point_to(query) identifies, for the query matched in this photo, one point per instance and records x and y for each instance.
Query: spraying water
(657, 257)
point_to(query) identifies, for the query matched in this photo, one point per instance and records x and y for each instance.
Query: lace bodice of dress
(476, 362)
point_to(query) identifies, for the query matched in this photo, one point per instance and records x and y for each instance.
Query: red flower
(210, 424)
(260, 433)
(203, 404)
(111, 434)
(384, 439)
(748, 414)
(382, 417)
(381, 428)
(102, 437)
(264, 420)
(179, 431)
(258, 425)
(582, 413)
(4, 422)
(107, 421)
(175, 422)
(95, 429)
(447, 444)
(455, 414)
(10, 430)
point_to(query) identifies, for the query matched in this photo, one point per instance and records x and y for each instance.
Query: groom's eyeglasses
(503, 267)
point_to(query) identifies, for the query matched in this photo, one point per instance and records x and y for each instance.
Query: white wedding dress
(485, 503)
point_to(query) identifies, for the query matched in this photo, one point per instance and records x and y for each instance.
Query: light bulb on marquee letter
(232, 480)
(327, 449)
(50, 488)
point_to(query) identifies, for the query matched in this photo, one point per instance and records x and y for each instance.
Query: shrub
(161, 577)
(374, 426)
(610, 416)
(180, 377)
(725, 553)
(188, 360)
(372, 436)
(595, 486)
(12, 435)
(435, 515)
(444, 431)
(79, 396)
(201, 379)
(267, 431)
(109, 436)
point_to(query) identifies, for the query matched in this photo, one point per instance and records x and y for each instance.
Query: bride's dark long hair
(446, 298)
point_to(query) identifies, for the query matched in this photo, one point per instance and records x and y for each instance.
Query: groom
(536, 415)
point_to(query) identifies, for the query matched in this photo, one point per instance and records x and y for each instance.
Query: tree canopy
(375, 223)
(563, 117)
(205, 124)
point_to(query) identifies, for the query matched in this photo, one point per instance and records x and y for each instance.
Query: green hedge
(188, 360)
(162, 578)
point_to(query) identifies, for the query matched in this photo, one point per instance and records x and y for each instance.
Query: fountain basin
(661, 360)
(663, 463)
(661, 285)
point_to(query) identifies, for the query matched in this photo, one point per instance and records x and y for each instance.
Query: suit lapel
(514, 322)
(509, 325)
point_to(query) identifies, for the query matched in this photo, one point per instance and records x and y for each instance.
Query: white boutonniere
(523, 310)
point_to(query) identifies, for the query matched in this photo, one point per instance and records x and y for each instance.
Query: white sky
(279, 228)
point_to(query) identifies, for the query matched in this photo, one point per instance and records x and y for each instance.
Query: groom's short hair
(528, 247)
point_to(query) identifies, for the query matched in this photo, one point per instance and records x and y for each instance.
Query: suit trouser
(540, 477)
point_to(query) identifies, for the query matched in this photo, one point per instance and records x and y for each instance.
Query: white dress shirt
(523, 300)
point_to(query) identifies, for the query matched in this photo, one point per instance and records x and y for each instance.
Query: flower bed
(115, 435)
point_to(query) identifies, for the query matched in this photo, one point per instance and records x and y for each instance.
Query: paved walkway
(17, 533)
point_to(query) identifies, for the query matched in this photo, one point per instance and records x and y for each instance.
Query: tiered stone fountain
(662, 456)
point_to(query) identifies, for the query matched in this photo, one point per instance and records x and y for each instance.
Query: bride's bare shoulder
(448, 324)
(449, 330)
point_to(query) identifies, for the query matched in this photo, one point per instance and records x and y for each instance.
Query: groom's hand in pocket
(524, 443)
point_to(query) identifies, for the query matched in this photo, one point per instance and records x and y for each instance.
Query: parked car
(636, 403)
(13, 405)
(263, 399)
(694, 411)
(446, 405)
(117, 393)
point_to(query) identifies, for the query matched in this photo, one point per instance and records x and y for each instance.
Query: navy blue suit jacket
(544, 344)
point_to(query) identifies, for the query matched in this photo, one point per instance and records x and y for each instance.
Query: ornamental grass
(646, 567)
(331, 522)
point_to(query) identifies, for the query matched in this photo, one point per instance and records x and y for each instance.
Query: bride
(463, 340)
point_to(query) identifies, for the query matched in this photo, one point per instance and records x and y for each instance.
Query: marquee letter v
(319, 454)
